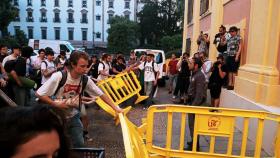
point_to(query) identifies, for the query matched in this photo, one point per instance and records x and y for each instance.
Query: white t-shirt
(36, 62)
(101, 68)
(206, 67)
(149, 73)
(69, 90)
(8, 58)
(50, 67)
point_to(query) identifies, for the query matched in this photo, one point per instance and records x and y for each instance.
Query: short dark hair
(49, 52)
(198, 62)
(2, 46)
(75, 56)
(62, 52)
(151, 55)
(187, 54)
(26, 51)
(223, 27)
(233, 29)
(21, 124)
(16, 46)
(41, 50)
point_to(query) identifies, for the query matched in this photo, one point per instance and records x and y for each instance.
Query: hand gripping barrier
(218, 123)
(122, 87)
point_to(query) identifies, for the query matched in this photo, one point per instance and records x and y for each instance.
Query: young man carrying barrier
(69, 95)
(151, 74)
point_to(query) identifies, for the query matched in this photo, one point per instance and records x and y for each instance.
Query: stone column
(196, 25)
(185, 32)
(258, 79)
(216, 21)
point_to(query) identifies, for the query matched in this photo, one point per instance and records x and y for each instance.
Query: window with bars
(190, 11)
(57, 33)
(29, 17)
(204, 6)
(111, 4)
(70, 3)
(56, 3)
(84, 18)
(43, 3)
(98, 35)
(84, 34)
(127, 4)
(70, 18)
(43, 17)
(98, 3)
(30, 32)
(70, 33)
(56, 17)
(44, 33)
(98, 17)
(29, 2)
(84, 3)
(15, 2)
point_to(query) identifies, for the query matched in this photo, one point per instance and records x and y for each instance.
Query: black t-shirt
(2, 57)
(185, 71)
(94, 70)
(215, 77)
(119, 67)
(20, 67)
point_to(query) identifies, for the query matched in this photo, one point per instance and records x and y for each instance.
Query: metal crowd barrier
(122, 87)
(209, 122)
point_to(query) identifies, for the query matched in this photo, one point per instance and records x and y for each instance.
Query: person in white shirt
(36, 66)
(206, 67)
(104, 67)
(16, 51)
(48, 66)
(69, 95)
(151, 74)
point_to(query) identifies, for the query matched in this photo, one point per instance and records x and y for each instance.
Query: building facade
(257, 86)
(82, 22)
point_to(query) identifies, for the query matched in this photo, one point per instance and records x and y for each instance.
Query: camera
(217, 63)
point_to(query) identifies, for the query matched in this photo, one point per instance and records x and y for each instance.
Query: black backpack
(63, 80)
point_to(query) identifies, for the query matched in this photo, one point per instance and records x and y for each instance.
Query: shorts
(231, 64)
(215, 90)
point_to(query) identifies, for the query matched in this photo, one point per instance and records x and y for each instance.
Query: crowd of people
(68, 84)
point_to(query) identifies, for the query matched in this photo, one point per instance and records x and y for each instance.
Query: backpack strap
(62, 81)
(45, 63)
(84, 80)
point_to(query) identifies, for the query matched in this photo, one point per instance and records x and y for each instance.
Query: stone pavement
(106, 134)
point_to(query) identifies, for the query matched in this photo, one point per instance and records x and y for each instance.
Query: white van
(56, 45)
(159, 59)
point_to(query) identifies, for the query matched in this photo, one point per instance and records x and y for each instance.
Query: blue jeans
(75, 131)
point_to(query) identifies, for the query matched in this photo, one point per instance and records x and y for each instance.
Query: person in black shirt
(119, 66)
(183, 79)
(93, 68)
(19, 69)
(216, 80)
(3, 52)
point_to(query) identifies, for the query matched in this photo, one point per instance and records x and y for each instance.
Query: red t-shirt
(172, 67)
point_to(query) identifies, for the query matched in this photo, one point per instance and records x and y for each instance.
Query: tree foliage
(19, 38)
(158, 19)
(171, 42)
(123, 35)
(8, 13)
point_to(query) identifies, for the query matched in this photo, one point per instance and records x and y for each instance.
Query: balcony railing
(84, 20)
(29, 19)
(70, 20)
(56, 20)
(43, 19)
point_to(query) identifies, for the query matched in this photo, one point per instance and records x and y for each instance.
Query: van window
(70, 47)
(36, 45)
(63, 47)
(159, 58)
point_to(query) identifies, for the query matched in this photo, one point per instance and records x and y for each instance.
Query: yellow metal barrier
(220, 123)
(122, 87)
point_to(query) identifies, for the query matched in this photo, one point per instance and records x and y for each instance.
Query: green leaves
(8, 13)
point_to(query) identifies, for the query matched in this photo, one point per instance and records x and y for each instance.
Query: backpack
(84, 80)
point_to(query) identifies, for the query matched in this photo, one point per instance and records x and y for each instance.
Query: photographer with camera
(216, 80)
(183, 79)
(203, 43)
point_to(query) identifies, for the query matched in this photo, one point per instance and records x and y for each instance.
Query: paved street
(106, 134)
